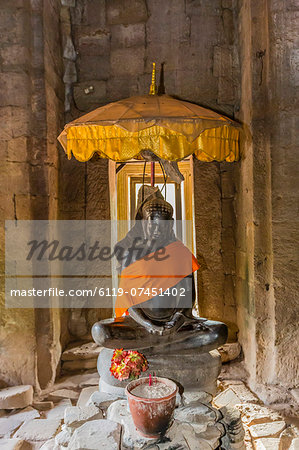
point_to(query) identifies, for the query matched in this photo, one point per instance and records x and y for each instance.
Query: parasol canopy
(172, 129)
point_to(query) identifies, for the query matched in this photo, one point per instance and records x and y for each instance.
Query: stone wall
(31, 104)
(267, 214)
(108, 52)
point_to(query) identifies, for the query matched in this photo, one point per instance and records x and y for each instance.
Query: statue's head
(157, 220)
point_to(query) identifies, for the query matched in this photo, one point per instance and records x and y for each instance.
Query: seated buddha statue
(156, 293)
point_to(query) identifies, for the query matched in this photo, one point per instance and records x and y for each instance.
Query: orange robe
(148, 273)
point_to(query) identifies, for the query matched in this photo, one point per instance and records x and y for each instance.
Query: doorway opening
(130, 179)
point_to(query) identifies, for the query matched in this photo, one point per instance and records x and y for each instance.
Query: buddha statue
(157, 291)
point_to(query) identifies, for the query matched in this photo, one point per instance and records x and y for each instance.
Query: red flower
(127, 364)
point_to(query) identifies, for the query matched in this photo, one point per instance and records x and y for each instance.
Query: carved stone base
(191, 370)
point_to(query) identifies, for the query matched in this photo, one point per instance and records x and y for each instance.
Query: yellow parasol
(172, 129)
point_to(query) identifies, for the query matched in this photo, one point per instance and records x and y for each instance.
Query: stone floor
(75, 415)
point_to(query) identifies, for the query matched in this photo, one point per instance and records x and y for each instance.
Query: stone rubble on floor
(10, 423)
(80, 356)
(97, 434)
(57, 412)
(81, 417)
(75, 416)
(63, 394)
(267, 430)
(14, 444)
(229, 351)
(38, 429)
(43, 406)
(85, 395)
(16, 397)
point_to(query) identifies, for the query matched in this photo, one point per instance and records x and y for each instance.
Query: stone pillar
(266, 194)
(31, 106)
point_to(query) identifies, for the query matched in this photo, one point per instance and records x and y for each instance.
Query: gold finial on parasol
(153, 87)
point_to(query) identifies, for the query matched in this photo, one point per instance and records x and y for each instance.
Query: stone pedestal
(192, 371)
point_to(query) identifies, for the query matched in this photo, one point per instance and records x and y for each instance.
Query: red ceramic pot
(151, 416)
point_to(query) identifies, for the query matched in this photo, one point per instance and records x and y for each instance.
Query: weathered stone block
(227, 185)
(10, 423)
(197, 413)
(132, 35)
(28, 413)
(103, 434)
(287, 436)
(118, 412)
(229, 298)
(85, 351)
(95, 45)
(14, 444)
(167, 26)
(72, 366)
(63, 438)
(85, 395)
(14, 56)
(228, 240)
(98, 204)
(271, 430)
(228, 260)
(206, 28)
(92, 380)
(16, 397)
(7, 210)
(38, 429)
(75, 416)
(94, 14)
(13, 24)
(31, 206)
(90, 68)
(125, 61)
(267, 444)
(58, 411)
(197, 7)
(228, 25)
(89, 94)
(63, 394)
(17, 149)
(226, 93)
(8, 426)
(119, 87)
(230, 318)
(212, 435)
(49, 445)
(71, 3)
(295, 394)
(195, 397)
(226, 3)
(14, 122)
(294, 444)
(228, 214)
(230, 351)
(185, 434)
(43, 406)
(226, 398)
(126, 12)
(102, 399)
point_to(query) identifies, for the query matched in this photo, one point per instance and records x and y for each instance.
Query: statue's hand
(174, 324)
(154, 329)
